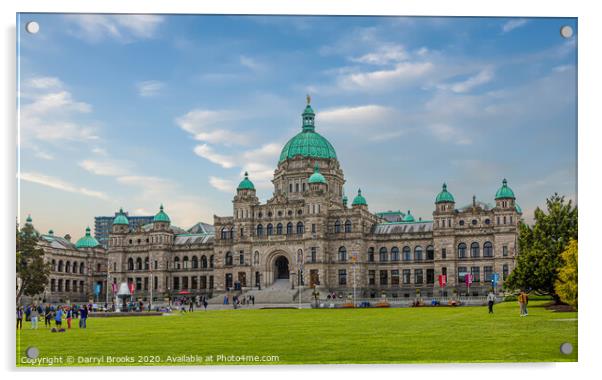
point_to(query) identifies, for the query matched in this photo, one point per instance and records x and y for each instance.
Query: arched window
(139, 263)
(146, 263)
(348, 226)
(74, 267)
(225, 233)
(382, 254)
(260, 230)
(371, 254)
(81, 268)
(54, 265)
(407, 253)
(342, 254)
(229, 260)
(430, 253)
(270, 229)
(337, 227)
(394, 254)
(130, 264)
(203, 262)
(487, 249)
(289, 228)
(474, 249)
(279, 229)
(300, 228)
(67, 267)
(418, 253)
(195, 262)
(185, 262)
(176, 262)
(300, 256)
(462, 250)
(211, 261)
(256, 258)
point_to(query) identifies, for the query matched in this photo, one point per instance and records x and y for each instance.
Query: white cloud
(222, 184)
(44, 82)
(106, 168)
(385, 54)
(209, 153)
(59, 184)
(44, 155)
(447, 133)
(149, 88)
(99, 151)
(212, 126)
(403, 73)
(513, 24)
(383, 121)
(482, 77)
(251, 63)
(124, 28)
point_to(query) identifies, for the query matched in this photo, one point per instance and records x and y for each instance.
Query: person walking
(20, 318)
(205, 303)
(490, 301)
(521, 303)
(47, 316)
(83, 316)
(34, 317)
(526, 302)
(69, 316)
(190, 305)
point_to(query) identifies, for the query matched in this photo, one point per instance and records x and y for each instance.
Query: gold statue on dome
(308, 99)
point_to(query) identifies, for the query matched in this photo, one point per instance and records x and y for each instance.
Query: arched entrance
(281, 268)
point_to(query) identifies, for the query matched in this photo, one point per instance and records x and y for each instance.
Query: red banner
(468, 279)
(131, 286)
(114, 287)
(442, 280)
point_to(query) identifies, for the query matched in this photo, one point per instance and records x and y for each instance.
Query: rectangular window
(395, 277)
(241, 259)
(176, 283)
(443, 253)
(444, 271)
(138, 283)
(505, 272)
(371, 277)
(488, 272)
(203, 282)
(314, 254)
(210, 282)
(476, 274)
(406, 276)
(194, 282)
(384, 277)
(67, 285)
(505, 250)
(430, 276)
(342, 277)
(156, 282)
(461, 273)
(418, 276)
(145, 283)
(185, 282)
(313, 228)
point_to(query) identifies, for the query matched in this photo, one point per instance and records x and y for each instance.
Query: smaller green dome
(504, 191)
(359, 199)
(28, 220)
(444, 195)
(409, 217)
(317, 177)
(161, 216)
(246, 183)
(51, 232)
(121, 218)
(517, 208)
(87, 241)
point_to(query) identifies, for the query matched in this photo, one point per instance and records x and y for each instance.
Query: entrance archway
(281, 269)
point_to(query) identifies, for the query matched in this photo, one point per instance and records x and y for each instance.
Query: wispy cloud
(374, 81)
(352, 120)
(207, 152)
(513, 24)
(212, 126)
(59, 184)
(225, 185)
(482, 77)
(149, 88)
(123, 28)
(106, 167)
(383, 55)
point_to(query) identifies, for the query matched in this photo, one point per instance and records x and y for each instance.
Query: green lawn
(399, 335)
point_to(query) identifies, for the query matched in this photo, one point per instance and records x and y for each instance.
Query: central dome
(308, 143)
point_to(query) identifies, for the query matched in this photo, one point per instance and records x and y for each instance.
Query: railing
(403, 301)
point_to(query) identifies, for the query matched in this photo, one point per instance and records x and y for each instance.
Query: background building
(102, 225)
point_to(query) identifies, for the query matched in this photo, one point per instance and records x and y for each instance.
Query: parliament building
(307, 234)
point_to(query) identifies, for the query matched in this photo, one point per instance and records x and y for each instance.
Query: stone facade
(307, 234)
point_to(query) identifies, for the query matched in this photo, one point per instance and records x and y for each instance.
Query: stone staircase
(279, 292)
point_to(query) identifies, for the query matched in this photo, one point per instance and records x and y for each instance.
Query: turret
(359, 201)
(504, 197)
(445, 200)
(121, 224)
(317, 181)
(161, 220)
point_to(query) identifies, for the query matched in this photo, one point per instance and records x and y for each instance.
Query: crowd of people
(51, 314)
(188, 303)
(238, 300)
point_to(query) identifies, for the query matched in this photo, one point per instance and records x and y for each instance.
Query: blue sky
(134, 111)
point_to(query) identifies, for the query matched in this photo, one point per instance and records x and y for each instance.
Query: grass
(398, 335)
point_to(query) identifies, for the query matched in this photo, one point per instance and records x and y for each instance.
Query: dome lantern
(161, 216)
(409, 218)
(444, 195)
(359, 199)
(317, 177)
(246, 183)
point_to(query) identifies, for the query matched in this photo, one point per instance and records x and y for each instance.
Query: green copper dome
(121, 218)
(317, 177)
(28, 220)
(308, 143)
(161, 216)
(504, 191)
(518, 209)
(444, 195)
(359, 199)
(409, 217)
(246, 183)
(87, 241)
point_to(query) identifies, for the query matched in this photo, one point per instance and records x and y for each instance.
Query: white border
(590, 186)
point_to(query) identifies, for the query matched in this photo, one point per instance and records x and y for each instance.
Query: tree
(32, 271)
(566, 283)
(541, 245)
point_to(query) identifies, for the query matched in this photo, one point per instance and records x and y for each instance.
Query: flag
(468, 279)
(442, 280)
(131, 286)
(114, 288)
